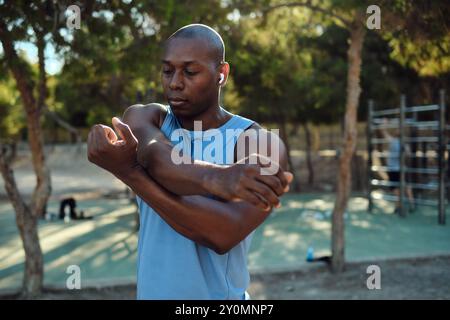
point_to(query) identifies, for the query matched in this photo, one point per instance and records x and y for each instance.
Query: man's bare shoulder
(145, 113)
(258, 132)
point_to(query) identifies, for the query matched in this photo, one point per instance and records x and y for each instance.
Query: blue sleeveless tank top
(171, 266)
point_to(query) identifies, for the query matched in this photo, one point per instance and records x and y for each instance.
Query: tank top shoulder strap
(238, 122)
(170, 122)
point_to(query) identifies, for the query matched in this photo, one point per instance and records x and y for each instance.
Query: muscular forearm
(154, 154)
(211, 223)
(180, 178)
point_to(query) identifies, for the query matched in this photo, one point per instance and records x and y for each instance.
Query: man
(197, 216)
(393, 165)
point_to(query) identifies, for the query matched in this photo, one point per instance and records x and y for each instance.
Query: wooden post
(441, 157)
(369, 156)
(414, 161)
(402, 155)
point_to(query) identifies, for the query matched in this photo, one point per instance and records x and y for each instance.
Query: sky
(53, 63)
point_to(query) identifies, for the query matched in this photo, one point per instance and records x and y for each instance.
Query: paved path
(105, 247)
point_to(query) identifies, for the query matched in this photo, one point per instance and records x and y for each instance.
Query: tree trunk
(42, 190)
(308, 154)
(26, 216)
(42, 87)
(34, 266)
(284, 136)
(27, 225)
(357, 33)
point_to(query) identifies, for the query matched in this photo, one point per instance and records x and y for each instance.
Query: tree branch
(6, 157)
(18, 68)
(42, 85)
(61, 121)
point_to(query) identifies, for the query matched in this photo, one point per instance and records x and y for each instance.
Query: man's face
(189, 76)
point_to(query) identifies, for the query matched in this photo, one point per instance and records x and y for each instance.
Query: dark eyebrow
(185, 62)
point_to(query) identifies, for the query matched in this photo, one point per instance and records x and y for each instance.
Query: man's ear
(224, 70)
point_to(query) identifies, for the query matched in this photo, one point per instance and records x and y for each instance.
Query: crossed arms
(141, 159)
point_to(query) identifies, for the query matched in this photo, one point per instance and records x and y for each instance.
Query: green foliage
(113, 61)
(12, 118)
(288, 64)
(11, 111)
(418, 33)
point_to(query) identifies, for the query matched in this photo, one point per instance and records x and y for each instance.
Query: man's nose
(177, 82)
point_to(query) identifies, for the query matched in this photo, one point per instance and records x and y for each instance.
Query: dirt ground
(420, 278)
(424, 278)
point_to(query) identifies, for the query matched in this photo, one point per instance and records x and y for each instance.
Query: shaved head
(193, 70)
(205, 34)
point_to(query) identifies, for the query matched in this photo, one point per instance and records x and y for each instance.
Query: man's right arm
(200, 177)
(154, 152)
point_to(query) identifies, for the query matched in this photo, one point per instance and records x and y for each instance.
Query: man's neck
(212, 117)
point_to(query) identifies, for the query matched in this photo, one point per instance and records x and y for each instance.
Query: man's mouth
(177, 102)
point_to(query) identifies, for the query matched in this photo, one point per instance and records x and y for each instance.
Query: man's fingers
(279, 183)
(94, 137)
(267, 193)
(273, 182)
(263, 204)
(99, 136)
(123, 129)
(282, 177)
(271, 168)
(119, 126)
(253, 199)
(289, 176)
(109, 133)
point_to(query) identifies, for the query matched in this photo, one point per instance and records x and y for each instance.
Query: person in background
(393, 165)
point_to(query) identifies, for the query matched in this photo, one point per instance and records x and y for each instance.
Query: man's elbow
(234, 232)
(222, 249)
(212, 243)
(224, 245)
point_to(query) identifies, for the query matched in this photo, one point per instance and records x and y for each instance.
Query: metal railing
(433, 148)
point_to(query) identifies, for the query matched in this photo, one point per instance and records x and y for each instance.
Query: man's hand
(110, 153)
(247, 182)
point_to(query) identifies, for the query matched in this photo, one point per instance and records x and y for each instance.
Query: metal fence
(422, 134)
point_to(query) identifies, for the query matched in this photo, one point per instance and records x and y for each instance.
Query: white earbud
(222, 77)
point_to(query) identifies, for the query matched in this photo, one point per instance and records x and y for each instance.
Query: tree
(351, 16)
(37, 23)
(18, 23)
